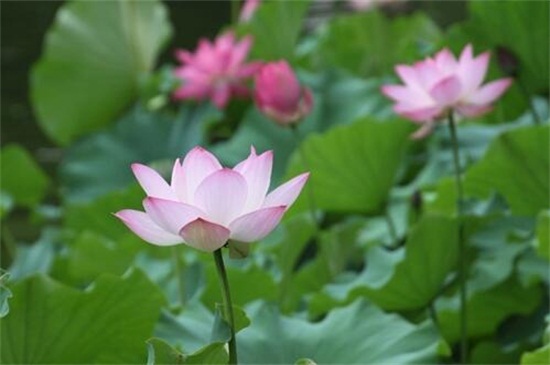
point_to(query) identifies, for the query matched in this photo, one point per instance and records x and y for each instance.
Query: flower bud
(279, 95)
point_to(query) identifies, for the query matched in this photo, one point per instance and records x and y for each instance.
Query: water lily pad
(359, 333)
(94, 57)
(353, 167)
(516, 162)
(271, 41)
(23, 181)
(406, 279)
(370, 43)
(53, 323)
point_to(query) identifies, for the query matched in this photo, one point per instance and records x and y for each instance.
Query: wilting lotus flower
(206, 204)
(279, 95)
(248, 10)
(216, 71)
(442, 83)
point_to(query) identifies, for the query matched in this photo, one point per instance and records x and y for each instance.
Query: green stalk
(227, 305)
(433, 314)
(391, 228)
(463, 265)
(178, 268)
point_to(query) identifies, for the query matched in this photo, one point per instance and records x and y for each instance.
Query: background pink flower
(279, 95)
(206, 204)
(442, 83)
(216, 71)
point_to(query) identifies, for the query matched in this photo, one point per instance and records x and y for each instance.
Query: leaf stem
(227, 305)
(463, 265)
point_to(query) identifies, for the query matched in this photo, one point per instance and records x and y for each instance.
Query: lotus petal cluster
(436, 85)
(206, 204)
(216, 70)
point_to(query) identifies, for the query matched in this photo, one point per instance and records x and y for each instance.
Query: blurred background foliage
(86, 91)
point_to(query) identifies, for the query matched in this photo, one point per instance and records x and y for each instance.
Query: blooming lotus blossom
(279, 95)
(206, 204)
(442, 83)
(248, 10)
(216, 71)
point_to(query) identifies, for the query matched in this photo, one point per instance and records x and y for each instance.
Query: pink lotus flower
(280, 96)
(206, 204)
(216, 71)
(248, 10)
(442, 83)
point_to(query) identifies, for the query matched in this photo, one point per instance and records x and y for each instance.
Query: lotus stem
(433, 314)
(463, 265)
(227, 305)
(178, 269)
(391, 228)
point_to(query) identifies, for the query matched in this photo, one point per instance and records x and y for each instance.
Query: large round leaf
(354, 167)
(100, 163)
(271, 40)
(369, 43)
(406, 279)
(523, 29)
(50, 323)
(94, 56)
(357, 334)
(474, 140)
(35, 258)
(196, 327)
(97, 216)
(516, 165)
(187, 329)
(537, 357)
(524, 36)
(91, 255)
(495, 290)
(22, 179)
(487, 309)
